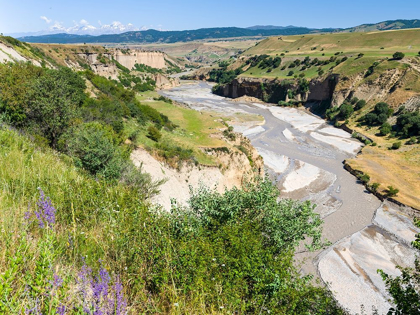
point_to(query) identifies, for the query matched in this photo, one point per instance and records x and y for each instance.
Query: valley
(213, 171)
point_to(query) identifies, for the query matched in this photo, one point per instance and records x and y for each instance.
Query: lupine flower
(99, 297)
(57, 282)
(46, 211)
(61, 310)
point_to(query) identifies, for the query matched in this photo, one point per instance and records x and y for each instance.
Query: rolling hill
(154, 36)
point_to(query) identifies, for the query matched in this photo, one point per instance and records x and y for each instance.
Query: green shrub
(385, 129)
(374, 187)
(396, 145)
(154, 133)
(392, 192)
(95, 148)
(365, 178)
(360, 104)
(346, 110)
(398, 55)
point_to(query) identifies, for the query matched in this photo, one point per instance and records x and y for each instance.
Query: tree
(154, 133)
(360, 104)
(396, 145)
(291, 73)
(385, 129)
(392, 192)
(346, 110)
(374, 187)
(53, 100)
(398, 55)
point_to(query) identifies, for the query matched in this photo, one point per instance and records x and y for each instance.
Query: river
(305, 155)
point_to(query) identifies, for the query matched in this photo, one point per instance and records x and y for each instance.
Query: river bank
(305, 156)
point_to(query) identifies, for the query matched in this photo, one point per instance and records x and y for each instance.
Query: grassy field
(398, 168)
(374, 46)
(196, 129)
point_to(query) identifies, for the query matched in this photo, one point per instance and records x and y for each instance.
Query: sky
(18, 16)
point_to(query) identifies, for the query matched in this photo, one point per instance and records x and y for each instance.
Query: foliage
(396, 145)
(398, 55)
(154, 133)
(409, 123)
(360, 104)
(379, 115)
(385, 129)
(95, 148)
(392, 192)
(346, 110)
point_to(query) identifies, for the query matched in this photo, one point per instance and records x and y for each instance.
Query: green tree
(53, 100)
(346, 110)
(392, 192)
(360, 104)
(398, 55)
(95, 148)
(396, 145)
(154, 133)
(385, 129)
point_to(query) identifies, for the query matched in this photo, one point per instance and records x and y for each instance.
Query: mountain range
(155, 36)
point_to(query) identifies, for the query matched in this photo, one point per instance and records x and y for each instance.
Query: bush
(154, 133)
(346, 110)
(365, 178)
(392, 192)
(360, 104)
(374, 187)
(95, 148)
(398, 55)
(291, 73)
(396, 145)
(385, 129)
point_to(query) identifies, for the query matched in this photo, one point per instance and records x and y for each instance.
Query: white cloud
(47, 20)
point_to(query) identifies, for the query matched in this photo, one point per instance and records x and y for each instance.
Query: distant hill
(154, 36)
(270, 27)
(385, 26)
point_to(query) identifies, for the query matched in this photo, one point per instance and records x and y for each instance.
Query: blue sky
(25, 15)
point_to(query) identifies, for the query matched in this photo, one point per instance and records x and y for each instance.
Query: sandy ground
(177, 183)
(350, 266)
(9, 54)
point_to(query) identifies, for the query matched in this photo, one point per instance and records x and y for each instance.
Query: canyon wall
(155, 59)
(389, 86)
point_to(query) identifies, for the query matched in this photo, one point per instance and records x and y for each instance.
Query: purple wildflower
(35, 310)
(120, 303)
(58, 282)
(99, 297)
(46, 211)
(61, 310)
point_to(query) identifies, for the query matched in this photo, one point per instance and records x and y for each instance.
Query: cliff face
(274, 91)
(235, 168)
(128, 59)
(391, 86)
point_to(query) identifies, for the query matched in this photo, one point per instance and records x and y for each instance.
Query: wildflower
(61, 310)
(176, 304)
(46, 212)
(57, 282)
(223, 265)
